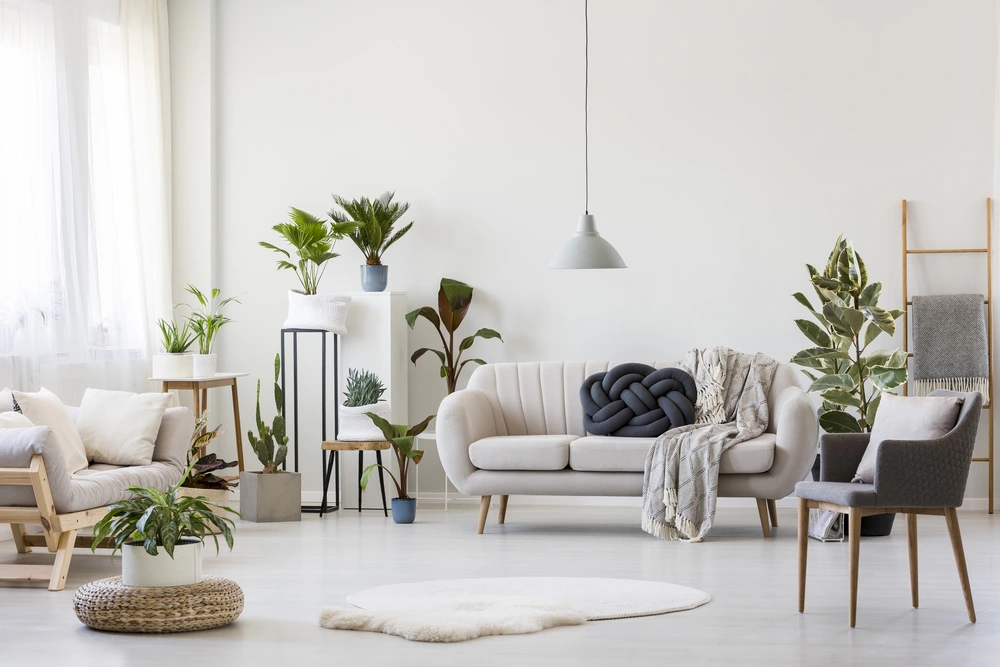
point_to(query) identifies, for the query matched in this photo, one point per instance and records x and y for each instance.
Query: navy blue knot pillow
(637, 401)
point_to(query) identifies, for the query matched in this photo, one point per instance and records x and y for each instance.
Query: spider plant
(401, 438)
(313, 241)
(375, 219)
(206, 321)
(176, 339)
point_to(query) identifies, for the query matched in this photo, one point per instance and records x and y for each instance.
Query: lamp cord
(586, 104)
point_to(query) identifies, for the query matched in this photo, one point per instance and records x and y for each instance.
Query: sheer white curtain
(84, 191)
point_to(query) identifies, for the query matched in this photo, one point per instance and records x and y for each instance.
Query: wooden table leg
(803, 550)
(239, 431)
(197, 403)
(854, 544)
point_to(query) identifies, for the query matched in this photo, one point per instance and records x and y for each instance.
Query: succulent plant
(270, 444)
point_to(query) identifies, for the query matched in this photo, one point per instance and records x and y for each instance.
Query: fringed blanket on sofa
(680, 485)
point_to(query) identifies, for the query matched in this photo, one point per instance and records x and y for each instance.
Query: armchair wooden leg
(64, 553)
(772, 510)
(803, 550)
(854, 517)
(18, 530)
(765, 522)
(951, 517)
(484, 510)
(503, 509)
(911, 543)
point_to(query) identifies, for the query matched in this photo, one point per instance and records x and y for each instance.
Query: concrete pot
(404, 510)
(172, 366)
(267, 498)
(141, 569)
(326, 312)
(356, 426)
(203, 365)
(374, 278)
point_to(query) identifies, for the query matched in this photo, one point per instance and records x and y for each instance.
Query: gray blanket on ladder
(950, 345)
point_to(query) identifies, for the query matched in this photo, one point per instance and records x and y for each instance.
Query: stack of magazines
(826, 526)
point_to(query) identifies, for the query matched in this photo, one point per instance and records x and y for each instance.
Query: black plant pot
(878, 525)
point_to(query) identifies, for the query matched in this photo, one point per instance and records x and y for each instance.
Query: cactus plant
(271, 443)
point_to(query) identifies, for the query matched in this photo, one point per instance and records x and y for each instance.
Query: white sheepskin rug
(461, 609)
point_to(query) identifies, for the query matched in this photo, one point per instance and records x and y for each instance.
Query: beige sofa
(518, 430)
(36, 488)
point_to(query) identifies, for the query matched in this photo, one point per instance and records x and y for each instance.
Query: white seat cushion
(521, 452)
(605, 453)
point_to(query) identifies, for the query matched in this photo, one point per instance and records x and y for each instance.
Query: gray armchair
(911, 477)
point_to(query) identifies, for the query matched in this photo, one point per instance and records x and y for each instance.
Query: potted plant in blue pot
(401, 437)
(373, 233)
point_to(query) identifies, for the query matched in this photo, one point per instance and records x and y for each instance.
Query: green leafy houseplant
(363, 388)
(206, 321)
(162, 519)
(454, 299)
(850, 379)
(270, 444)
(313, 240)
(203, 468)
(400, 437)
(375, 219)
(176, 338)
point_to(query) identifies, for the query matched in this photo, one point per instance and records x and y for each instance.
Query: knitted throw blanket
(950, 348)
(681, 480)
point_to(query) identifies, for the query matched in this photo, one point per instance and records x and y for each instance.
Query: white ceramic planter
(317, 311)
(203, 365)
(141, 569)
(173, 365)
(356, 426)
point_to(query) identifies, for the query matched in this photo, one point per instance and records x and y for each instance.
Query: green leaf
(837, 421)
(424, 350)
(870, 295)
(881, 318)
(812, 356)
(841, 397)
(427, 313)
(454, 299)
(872, 331)
(813, 332)
(419, 428)
(830, 284)
(482, 333)
(845, 320)
(835, 380)
(887, 378)
(801, 298)
(873, 409)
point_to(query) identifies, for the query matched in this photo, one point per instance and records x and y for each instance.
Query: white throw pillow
(44, 408)
(907, 418)
(13, 419)
(119, 427)
(6, 400)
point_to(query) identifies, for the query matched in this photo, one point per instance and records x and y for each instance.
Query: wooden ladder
(988, 251)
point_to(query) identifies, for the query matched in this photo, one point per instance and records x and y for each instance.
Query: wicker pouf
(107, 604)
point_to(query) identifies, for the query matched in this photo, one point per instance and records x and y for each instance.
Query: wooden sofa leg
(503, 509)
(951, 517)
(484, 510)
(19, 543)
(854, 543)
(765, 523)
(772, 510)
(64, 553)
(911, 544)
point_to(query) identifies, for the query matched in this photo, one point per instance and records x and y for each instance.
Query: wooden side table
(200, 387)
(338, 446)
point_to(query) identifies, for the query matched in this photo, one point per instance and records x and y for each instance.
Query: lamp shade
(587, 250)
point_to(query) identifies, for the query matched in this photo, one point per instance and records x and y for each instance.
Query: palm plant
(313, 241)
(206, 322)
(848, 321)
(375, 219)
(454, 299)
(176, 339)
(163, 519)
(401, 438)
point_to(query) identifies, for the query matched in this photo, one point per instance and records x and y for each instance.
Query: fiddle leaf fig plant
(401, 438)
(850, 378)
(454, 299)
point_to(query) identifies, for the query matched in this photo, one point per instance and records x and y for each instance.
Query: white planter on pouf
(356, 426)
(141, 569)
(167, 365)
(203, 365)
(317, 311)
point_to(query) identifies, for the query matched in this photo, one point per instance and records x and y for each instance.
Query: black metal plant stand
(334, 468)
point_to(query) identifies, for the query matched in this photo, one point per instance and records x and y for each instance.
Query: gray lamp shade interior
(587, 250)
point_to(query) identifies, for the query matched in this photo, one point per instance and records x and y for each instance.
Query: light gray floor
(290, 571)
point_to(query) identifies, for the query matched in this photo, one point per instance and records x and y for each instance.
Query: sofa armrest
(840, 454)
(174, 437)
(463, 418)
(17, 447)
(795, 440)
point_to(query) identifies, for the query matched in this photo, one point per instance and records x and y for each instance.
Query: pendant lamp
(586, 249)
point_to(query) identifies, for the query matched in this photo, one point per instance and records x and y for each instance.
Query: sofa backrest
(539, 398)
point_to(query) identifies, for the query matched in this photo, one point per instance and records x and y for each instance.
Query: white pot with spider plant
(363, 395)
(174, 362)
(401, 438)
(373, 235)
(313, 241)
(205, 322)
(161, 533)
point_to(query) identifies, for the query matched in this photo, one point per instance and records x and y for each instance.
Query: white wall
(730, 143)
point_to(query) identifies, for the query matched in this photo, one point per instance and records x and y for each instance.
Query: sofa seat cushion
(602, 453)
(521, 452)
